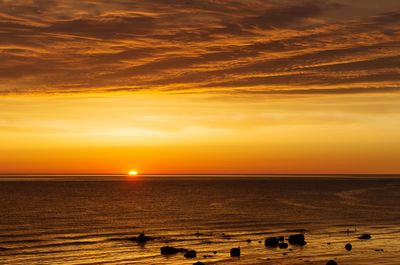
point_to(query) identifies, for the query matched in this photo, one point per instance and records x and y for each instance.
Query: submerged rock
(271, 242)
(142, 238)
(248, 240)
(297, 239)
(167, 250)
(190, 254)
(199, 263)
(281, 238)
(348, 247)
(235, 252)
(365, 236)
(225, 236)
(331, 262)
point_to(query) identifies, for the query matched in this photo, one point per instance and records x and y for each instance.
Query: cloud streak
(229, 47)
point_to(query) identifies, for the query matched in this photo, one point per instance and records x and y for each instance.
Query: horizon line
(202, 174)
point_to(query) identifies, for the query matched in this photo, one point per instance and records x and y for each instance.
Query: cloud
(323, 91)
(284, 16)
(230, 47)
(104, 27)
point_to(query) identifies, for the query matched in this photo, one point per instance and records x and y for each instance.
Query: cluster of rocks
(270, 242)
(167, 250)
(274, 242)
(188, 253)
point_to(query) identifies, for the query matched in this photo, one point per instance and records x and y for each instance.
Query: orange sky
(199, 86)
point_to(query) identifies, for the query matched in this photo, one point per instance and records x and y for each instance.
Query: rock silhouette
(283, 245)
(331, 262)
(235, 252)
(142, 238)
(271, 242)
(365, 236)
(199, 263)
(348, 247)
(297, 239)
(167, 250)
(190, 254)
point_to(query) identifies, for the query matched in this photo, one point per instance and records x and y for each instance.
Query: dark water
(86, 221)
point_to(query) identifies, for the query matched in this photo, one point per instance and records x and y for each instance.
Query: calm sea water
(43, 221)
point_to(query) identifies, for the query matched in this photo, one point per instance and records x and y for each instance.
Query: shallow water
(88, 221)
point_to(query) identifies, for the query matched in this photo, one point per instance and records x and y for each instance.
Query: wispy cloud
(230, 47)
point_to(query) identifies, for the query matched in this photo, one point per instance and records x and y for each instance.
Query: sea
(91, 219)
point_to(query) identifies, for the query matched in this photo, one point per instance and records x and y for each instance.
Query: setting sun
(133, 173)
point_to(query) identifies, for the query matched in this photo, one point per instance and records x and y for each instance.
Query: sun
(133, 173)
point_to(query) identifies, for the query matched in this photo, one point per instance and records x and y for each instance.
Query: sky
(208, 86)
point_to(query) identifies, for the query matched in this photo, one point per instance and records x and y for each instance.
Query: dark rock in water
(365, 236)
(348, 247)
(199, 263)
(235, 252)
(331, 262)
(142, 238)
(259, 242)
(297, 239)
(271, 242)
(281, 238)
(167, 250)
(190, 254)
(283, 245)
(248, 240)
(198, 234)
(215, 252)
